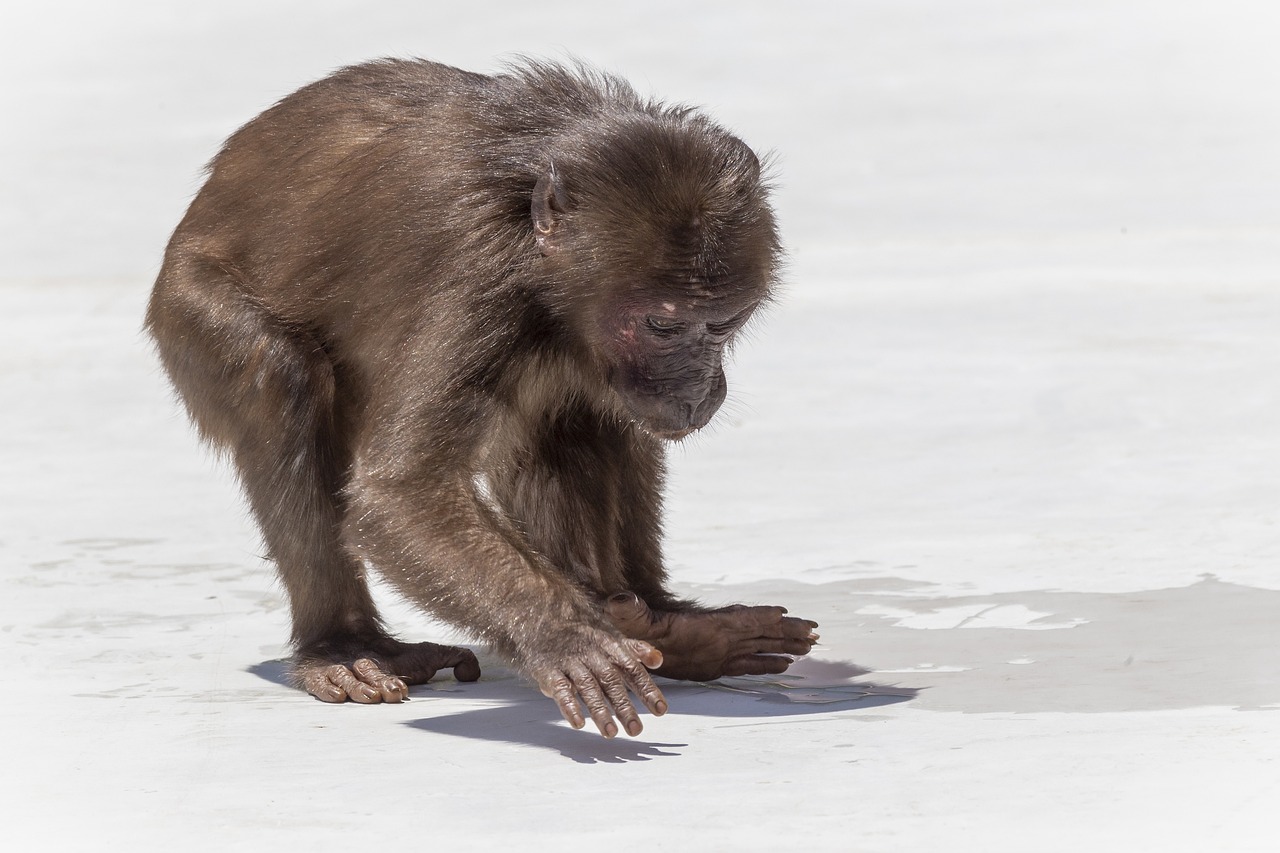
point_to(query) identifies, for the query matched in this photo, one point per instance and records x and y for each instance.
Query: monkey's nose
(700, 415)
(709, 400)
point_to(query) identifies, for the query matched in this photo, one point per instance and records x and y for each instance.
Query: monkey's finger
(616, 684)
(641, 683)
(773, 622)
(588, 686)
(356, 690)
(793, 627)
(629, 614)
(757, 665)
(560, 690)
(771, 646)
(646, 653)
(392, 688)
(751, 618)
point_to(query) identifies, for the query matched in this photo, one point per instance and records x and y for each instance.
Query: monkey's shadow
(517, 713)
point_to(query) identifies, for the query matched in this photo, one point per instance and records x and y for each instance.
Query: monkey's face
(667, 362)
(669, 244)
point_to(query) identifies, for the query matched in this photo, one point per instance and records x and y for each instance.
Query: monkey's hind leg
(265, 392)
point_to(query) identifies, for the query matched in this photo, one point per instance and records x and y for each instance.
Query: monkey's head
(663, 244)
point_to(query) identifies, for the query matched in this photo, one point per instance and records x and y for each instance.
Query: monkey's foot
(703, 646)
(377, 670)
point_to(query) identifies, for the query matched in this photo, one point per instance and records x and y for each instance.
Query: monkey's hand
(601, 668)
(703, 646)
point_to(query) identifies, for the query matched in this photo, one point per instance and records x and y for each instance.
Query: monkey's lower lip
(673, 435)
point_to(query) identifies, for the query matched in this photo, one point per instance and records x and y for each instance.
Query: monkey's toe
(388, 686)
(759, 664)
(468, 670)
(364, 682)
(419, 662)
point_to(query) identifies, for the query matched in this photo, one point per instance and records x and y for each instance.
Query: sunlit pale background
(1012, 435)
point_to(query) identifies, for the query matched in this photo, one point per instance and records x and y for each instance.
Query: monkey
(444, 325)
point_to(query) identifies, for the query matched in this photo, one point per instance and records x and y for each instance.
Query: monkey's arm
(698, 643)
(417, 518)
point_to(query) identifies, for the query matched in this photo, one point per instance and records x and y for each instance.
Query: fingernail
(634, 728)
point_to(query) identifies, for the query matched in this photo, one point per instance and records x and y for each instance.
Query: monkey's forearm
(455, 560)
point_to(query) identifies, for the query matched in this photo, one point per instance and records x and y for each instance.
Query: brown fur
(412, 303)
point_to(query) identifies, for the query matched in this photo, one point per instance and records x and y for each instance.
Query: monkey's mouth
(670, 419)
(671, 435)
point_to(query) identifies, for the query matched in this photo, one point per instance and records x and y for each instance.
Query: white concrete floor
(1013, 438)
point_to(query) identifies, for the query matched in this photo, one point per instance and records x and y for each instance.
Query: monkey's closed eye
(663, 325)
(727, 328)
(722, 330)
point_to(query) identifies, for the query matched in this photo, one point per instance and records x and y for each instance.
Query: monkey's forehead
(710, 277)
(692, 295)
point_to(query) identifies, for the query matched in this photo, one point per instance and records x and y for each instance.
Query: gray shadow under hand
(528, 718)
(810, 686)
(515, 712)
(523, 716)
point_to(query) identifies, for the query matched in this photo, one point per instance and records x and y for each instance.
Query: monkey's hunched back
(442, 323)
(316, 184)
(316, 188)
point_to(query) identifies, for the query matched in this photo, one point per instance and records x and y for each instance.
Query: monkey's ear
(549, 202)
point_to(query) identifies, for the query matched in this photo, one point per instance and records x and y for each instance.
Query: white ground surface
(1013, 438)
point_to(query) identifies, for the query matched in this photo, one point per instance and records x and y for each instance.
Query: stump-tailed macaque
(443, 323)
